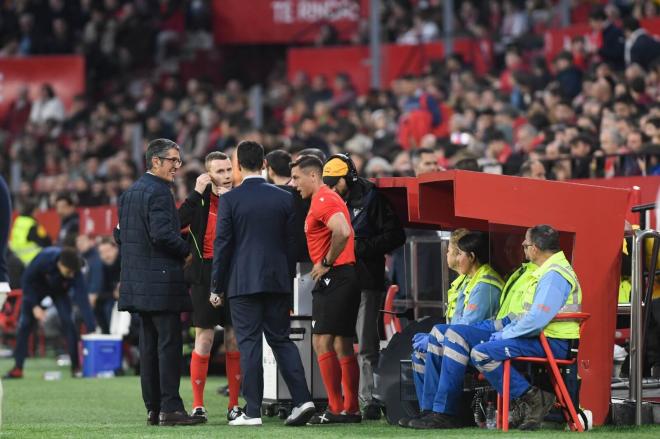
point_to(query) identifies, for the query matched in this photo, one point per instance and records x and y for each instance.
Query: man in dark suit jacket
(253, 263)
(612, 39)
(152, 284)
(5, 224)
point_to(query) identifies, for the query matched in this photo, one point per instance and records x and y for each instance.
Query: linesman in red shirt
(200, 212)
(336, 295)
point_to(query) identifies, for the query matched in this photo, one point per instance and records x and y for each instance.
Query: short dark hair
(279, 161)
(307, 162)
(545, 238)
(630, 24)
(476, 243)
(157, 148)
(314, 152)
(108, 240)
(468, 164)
(215, 155)
(598, 14)
(70, 259)
(66, 198)
(250, 155)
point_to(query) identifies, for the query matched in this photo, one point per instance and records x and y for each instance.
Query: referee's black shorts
(335, 302)
(204, 315)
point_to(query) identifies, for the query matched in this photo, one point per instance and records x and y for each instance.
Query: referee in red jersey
(336, 295)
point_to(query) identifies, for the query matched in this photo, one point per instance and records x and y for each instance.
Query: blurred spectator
(640, 47)
(424, 161)
(47, 107)
(533, 169)
(27, 237)
(610, 38)
(69, 220)
(109, 292)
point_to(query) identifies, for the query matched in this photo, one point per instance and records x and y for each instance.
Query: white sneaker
(301, 414)
(245, 420)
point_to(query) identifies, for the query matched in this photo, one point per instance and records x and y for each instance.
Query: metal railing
(640, 312)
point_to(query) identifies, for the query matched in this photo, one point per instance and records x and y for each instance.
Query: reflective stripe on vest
(565, 329)
(24, 249)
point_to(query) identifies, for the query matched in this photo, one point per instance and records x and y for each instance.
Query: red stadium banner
(65, 73)
(94, 221)
(283, 21)
(398, 60)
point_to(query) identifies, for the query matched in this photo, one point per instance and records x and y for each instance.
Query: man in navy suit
(253, 267)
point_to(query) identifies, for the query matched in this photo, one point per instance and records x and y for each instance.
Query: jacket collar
(152, 177)
(253, 180)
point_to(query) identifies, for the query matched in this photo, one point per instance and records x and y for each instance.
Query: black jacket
(152, 250)
(645, 50)
(613, 46)
(301, 209)
(194, 212)
(377, 231)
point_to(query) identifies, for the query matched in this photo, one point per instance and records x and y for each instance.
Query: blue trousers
(487, 358)
(426, 367)
(26, 323)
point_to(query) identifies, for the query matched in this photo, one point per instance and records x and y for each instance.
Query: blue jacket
(152, 250)
(254, 249)
(42, 278)
(5, 224)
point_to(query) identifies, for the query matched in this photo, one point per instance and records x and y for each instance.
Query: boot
(534, 404)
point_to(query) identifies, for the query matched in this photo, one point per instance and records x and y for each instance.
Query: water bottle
(491, 421)
(479, 419)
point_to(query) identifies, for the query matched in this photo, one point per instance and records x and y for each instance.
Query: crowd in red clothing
(576, 114)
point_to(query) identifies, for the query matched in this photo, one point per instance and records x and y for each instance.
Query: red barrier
(94, 221)
(589, 218)
(284, 21)
(65, 73)
(397, 59)
(557, 40)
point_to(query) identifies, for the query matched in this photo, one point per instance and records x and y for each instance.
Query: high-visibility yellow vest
(25, 249)
(515, 288)
(625, 287)
(452, 295)
(485, 274)
(559, 264)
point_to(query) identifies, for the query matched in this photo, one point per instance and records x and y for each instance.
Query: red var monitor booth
(589, 218)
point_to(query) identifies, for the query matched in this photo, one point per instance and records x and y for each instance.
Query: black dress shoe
(434, 420)
(371, 412)
(178, 418)
(405, 421)
(152, 417)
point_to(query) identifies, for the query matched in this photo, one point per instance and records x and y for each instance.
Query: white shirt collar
(253, 176)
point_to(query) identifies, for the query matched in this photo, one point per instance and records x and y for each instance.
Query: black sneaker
(351, 418)
(234, 413)
(405, 421)
(433, 420)
(152, 417)
(327, 417)
(371, 412)
(200, 412)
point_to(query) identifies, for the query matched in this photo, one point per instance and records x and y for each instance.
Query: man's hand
(421, 342)
(39, 313)
(496, 336)
(92, 299)
(201, 183)
(216, 300)
(187, 261)
(318, 271)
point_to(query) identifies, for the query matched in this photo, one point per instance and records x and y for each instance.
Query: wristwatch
(325, 263)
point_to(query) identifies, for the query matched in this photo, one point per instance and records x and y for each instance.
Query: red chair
(10, 312)
(563, 397)
(390, 320)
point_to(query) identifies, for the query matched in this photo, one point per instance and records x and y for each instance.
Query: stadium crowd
(576, 113)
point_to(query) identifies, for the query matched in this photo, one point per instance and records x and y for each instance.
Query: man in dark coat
(612, 39)
(378, 231)
(640, 47)
(254, 263)
(152, 284)
(5, 224)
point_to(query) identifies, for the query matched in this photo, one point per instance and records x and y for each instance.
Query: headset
(352, 176)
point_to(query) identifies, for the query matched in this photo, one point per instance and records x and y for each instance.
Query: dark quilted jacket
(152, 250)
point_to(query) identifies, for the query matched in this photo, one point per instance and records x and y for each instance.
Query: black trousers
(160, 361)
(267, 314)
